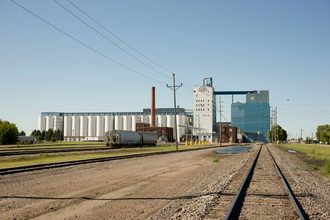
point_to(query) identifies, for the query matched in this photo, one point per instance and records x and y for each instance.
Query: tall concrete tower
(204, 110)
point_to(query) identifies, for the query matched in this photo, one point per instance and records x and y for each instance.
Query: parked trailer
(118, 138)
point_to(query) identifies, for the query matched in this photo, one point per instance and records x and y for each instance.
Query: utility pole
(174, 88)
(220, 127)
(276, 127)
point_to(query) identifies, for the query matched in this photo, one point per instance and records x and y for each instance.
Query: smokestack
(153, 107)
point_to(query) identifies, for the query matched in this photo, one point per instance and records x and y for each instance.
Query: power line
(84, 44)
(107, 39)
(118, 38)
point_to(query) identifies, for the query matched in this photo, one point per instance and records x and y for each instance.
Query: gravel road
(151, 187)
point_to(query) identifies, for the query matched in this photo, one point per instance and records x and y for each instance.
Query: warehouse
(91, 126)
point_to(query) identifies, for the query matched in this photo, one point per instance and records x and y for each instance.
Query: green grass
(315, 152)
(18, 161)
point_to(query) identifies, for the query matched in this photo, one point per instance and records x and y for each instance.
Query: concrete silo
(134, 122)
(58, 123)
(83, 126)
(91, 126)
(170, 123)
(118, 122)
(100, 126)
(49, 122)
(128, 123)
(161, 120)
(181, 120)
(41, 123)
(108, 123)
(67, 133)
(75, 128)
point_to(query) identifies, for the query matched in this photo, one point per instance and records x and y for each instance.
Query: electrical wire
(118, 38)
(84, 44)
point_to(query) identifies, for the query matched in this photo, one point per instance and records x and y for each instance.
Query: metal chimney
(153, 107)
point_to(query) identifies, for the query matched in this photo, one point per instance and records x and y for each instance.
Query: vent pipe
(153, 107)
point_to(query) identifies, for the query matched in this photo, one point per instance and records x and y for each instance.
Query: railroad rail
(48, 150)
(6, 171)
(264, 193)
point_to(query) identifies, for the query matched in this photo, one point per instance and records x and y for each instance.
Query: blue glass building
(253, 116)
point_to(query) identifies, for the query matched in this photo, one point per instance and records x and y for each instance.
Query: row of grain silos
(84, 126)
(50, 122)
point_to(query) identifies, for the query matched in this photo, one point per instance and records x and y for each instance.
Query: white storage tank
(161, 119)
(75, 128)
(67, 133)
(145, 119)
(134, 122)
(181, 121)
(129, 122)
(125, 122)
(170, 121)
(91, 126)
(118, 122)
(41, 123)
(83, 127)
(58, 123)
(99, 126)
(49, 122)
(108, 123)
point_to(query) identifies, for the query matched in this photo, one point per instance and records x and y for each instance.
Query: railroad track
(264, 193)
(6, 171)
(48, 150)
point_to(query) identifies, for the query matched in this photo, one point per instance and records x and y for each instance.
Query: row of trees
(323, 133)
(49, 135)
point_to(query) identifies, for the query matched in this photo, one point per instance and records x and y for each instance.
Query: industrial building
(204, 111)
(79, 126)
(253, 117)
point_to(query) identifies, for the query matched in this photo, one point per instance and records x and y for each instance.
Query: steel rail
(6, 171)
(238, 200)
(294, 201)
(237, 203)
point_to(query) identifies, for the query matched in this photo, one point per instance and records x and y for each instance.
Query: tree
(57, 135)
(37, 135)
(323, 133)
(8, 133)
(22, 133)
(43, 135)
(49, 135)
(277, 132)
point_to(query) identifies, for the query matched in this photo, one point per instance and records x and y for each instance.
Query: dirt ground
(152, 187)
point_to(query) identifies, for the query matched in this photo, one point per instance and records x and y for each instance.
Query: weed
(313, 151)
(314, 167)
(327, 167)
(216, 160)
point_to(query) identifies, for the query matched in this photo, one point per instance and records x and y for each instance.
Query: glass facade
(254, 115)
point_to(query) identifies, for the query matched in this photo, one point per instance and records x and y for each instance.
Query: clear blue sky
(281, 46)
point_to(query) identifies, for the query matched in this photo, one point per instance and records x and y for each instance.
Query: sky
(276, 45)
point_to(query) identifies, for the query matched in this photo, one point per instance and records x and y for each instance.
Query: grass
(317, 156)
(53, 145)
(216, 159)
(18, 161)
